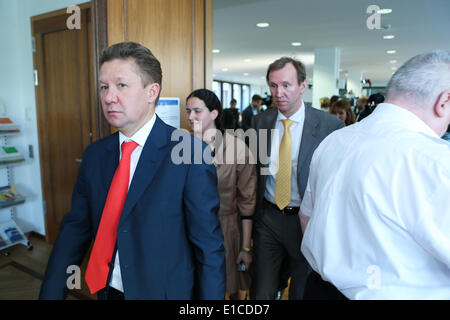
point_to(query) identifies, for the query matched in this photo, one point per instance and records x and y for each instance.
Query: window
(217, 89)
(245, 96)
(237, 94)
(226, 91)
(226, 98)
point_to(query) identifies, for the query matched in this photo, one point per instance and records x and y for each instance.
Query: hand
(246, 257)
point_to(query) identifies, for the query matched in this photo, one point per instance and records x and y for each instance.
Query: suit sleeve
(73, 240)
(201, 199)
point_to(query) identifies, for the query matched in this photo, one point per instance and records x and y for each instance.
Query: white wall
(18, 96)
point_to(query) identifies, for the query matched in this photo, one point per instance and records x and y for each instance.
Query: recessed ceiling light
(215, 50)
(389, 36)
(262, 25)
(248, 60)
(246, 74)
(384, 11)
(391, 51)
(296, 44)
(224, 69)
(394, 68)
(393, 61)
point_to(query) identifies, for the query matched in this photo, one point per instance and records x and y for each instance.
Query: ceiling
(418, 26)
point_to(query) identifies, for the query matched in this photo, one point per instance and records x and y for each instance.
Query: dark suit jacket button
(125, 231)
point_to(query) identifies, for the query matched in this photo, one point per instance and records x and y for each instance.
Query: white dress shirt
(296, 130)
(378, 200)
(139, 137)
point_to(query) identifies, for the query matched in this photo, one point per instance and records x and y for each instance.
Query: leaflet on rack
(9, 155)
(7, 126)
(10, 196)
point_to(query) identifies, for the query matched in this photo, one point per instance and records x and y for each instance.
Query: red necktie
(105, 241)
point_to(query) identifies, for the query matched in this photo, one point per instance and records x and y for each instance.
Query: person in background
(343, 111)
(134, 200)
(230, 118)
(236, 171)
(374, 100)
(379, 229)
(324, 104)
(253, 109)
(277, 234)
(333, 99)
(361, 104)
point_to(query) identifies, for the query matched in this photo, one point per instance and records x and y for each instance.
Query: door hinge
(33, 44)
(44, 206)
(36, 81)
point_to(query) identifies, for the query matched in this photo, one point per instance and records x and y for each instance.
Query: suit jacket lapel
(270, 125)
(308, 136)
(152, 156)
(109, 162)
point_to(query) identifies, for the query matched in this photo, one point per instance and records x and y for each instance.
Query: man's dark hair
(256, 97)
(233, 101)
(280, 63)
(149, 66)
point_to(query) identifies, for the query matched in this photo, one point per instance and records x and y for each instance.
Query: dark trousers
(318, 289)
(276, 241)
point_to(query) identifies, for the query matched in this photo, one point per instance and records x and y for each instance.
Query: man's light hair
(422, 78)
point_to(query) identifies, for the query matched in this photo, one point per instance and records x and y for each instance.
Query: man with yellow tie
(294, 133)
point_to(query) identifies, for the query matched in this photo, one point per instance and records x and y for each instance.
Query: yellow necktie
(283, 182)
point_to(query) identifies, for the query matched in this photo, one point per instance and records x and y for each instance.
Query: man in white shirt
(376, 208)
(276, 233)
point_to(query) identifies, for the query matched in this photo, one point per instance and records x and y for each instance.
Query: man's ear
(303, 86)
(442, 105)
(152, 90)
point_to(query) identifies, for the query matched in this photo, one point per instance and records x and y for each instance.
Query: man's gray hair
(422, 78)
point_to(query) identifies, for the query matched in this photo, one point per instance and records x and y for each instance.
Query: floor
(22, 271)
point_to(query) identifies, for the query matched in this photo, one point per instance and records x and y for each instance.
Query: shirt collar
(298, 116)
(405, 117)
(141, 135)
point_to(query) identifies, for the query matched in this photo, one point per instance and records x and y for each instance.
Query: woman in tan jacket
(236, 172)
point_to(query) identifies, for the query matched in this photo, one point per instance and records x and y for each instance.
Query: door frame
(52, 22)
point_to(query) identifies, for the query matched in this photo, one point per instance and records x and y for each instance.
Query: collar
(141, 135)
(405, 117)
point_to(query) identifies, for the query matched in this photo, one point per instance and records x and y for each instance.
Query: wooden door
(178, 32)
(64, 99)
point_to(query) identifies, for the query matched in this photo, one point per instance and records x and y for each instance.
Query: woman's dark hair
(345, 105)
(212, 103)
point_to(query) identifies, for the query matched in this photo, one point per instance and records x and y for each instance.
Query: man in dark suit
(167, 234)
(230, 117)
(295, 132)
(253, 109)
